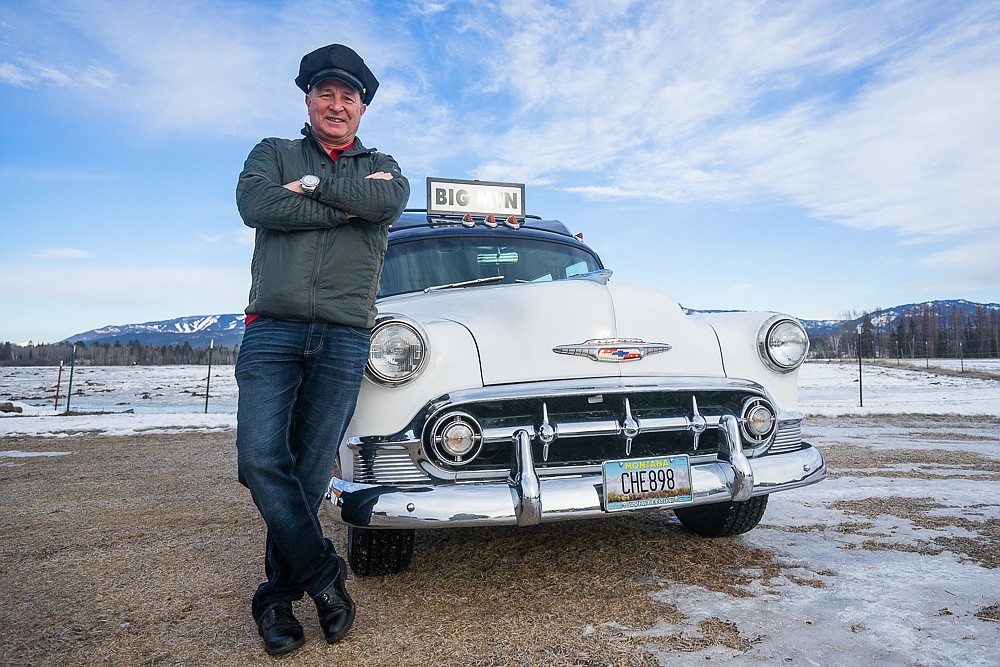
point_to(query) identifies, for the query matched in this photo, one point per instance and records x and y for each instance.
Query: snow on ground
(118, 400)
(138, 399)
(885, 607)
(833, 388)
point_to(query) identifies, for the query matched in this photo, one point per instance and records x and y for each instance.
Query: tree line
(112, 354)
(922, 330)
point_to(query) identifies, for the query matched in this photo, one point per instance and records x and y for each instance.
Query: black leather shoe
(335, 607)
(280, 630)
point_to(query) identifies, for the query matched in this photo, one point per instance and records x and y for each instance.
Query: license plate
(652, 482)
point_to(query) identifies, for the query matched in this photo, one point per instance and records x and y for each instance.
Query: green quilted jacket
(318, 258)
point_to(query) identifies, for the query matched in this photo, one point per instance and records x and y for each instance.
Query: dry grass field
(145, 550)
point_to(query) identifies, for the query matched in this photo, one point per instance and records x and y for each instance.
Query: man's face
(335, 111)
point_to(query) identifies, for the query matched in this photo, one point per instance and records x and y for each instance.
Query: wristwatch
(309, 183)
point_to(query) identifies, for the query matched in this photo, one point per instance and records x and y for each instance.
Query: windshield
(415, 265)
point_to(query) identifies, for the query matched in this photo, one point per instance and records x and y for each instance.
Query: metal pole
(208, 380)
(72, 365)
(861, 391)
(58, 385)
(961, 357)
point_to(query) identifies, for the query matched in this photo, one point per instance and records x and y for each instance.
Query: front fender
(452, 363)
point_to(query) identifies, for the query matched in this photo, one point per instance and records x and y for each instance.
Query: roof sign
(447, 196)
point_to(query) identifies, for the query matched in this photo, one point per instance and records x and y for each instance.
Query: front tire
(374, 553)
(723, 519)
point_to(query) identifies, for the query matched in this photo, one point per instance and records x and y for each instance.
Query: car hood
(516, 327)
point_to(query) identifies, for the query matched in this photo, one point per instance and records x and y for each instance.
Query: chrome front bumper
(526, 499)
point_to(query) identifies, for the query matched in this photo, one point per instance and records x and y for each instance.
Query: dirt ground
(145, 551)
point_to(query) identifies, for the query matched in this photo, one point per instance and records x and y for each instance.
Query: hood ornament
(612, 349)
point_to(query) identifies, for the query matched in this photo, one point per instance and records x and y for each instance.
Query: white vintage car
(511, 381)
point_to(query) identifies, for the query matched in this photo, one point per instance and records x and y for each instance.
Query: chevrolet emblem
(612, 349)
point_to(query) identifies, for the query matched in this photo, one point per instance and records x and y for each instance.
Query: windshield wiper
(467, 283)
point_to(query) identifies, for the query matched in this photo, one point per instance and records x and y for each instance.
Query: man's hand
(294, 186)
(384, 175)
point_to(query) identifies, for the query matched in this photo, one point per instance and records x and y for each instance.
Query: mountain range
(227, 330)
(197, 330)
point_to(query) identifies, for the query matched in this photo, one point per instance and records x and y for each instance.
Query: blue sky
(815, 158)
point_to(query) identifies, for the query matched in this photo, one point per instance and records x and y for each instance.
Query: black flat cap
(337, 61)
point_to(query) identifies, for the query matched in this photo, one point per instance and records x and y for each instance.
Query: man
(321, 207)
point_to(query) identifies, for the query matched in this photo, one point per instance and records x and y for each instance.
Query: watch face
(309, 182)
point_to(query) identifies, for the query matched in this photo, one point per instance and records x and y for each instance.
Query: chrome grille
(573, 426)
(386, 465)
(788, 438)
(582, 429)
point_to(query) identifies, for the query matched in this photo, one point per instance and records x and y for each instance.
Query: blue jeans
(298, 386)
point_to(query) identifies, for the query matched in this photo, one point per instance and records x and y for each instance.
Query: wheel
(373, 553)
(723, 519)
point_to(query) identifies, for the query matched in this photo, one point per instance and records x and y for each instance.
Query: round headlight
(396, 353)
(783, 344)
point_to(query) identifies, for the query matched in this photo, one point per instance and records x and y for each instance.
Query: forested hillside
(942, 329)
(105, 354)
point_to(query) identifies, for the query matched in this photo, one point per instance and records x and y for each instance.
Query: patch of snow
(885, 607)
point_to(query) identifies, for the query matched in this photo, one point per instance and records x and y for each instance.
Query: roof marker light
(512, 222)
(491, 221)
(467, 221)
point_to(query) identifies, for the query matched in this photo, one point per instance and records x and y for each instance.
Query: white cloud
(14, 75)
(34, 74)
(967, 266)
(61, 253)
(190, 67)
(880, 115)
(171, 289)
(918, 151)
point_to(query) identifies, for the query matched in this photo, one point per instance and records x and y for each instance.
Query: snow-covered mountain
(887, 319)
(196, 330)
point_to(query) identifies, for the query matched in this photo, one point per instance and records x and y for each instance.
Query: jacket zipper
(321, 249)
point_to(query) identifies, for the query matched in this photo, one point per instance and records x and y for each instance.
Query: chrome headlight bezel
(417, 354)
(461, 421)
(758, 422)
(774, 339)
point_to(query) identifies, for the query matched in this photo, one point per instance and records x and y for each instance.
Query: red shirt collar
(337, 152)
